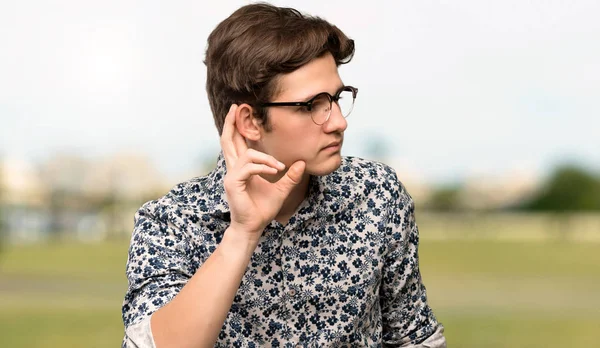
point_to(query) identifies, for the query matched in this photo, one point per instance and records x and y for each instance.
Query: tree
(446, 198)
(570, 188)
(2, 227)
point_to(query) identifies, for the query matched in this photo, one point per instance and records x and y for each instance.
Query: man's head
(263, 54)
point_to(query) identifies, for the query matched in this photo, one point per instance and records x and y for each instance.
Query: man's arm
(187, 316)
(408, 321)
(195, 316)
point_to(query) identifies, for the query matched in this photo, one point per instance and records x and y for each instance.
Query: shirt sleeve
(157, 268)
(408, 321)
(139, 335)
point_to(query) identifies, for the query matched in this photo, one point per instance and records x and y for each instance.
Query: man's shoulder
(370, 176)
(367, 167)
(191, 190)
(187, 194)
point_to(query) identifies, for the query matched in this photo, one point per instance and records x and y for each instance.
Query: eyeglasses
(320, 105)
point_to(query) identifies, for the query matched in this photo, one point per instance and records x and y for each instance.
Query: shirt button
(292, 292)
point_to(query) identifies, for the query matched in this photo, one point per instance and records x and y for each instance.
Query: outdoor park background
(487, 110)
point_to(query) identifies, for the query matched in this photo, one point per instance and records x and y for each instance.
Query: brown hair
(249, 50)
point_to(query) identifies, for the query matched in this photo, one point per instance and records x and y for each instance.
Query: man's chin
(326, 167)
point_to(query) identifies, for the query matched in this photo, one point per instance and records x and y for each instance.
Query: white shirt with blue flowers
(343, 272)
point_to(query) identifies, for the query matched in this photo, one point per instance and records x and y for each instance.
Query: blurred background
(487, 110)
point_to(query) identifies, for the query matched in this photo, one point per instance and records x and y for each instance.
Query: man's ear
(246, 124)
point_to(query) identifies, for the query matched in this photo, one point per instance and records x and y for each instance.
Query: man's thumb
(293, 175)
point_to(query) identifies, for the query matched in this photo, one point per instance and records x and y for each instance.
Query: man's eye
(320, 104)
(305, 108)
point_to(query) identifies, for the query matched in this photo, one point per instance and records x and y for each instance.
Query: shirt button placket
(287, 263)
(282, 257)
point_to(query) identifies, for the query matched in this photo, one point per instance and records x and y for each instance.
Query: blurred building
(23, 198)
(498, 192)
(70, 197)
(478, 192)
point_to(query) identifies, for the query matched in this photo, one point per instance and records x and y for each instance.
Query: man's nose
(336, 122)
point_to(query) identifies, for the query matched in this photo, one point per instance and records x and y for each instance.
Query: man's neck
(293, 201)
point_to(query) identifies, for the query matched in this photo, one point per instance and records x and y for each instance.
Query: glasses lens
(346, 102)
(321, 108)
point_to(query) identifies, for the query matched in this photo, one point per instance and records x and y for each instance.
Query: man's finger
(239, 142)
(254, 156)
(250, 169)
(227, 144)
(292, 178)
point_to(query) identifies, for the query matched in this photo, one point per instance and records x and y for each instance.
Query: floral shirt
(343, 272)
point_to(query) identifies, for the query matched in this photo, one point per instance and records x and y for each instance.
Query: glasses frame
(308, 104)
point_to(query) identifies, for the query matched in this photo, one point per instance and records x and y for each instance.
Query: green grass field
(486, 293)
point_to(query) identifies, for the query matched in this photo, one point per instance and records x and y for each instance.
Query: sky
(452, 88)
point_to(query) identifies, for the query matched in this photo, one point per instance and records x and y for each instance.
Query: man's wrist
(236, 244)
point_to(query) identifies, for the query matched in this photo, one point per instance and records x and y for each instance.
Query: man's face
(294, 136)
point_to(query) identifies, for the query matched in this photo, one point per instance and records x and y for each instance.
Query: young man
(285, 243)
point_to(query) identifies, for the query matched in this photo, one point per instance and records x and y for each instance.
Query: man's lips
(333, 145)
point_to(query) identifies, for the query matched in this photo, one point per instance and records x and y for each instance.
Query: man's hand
(253, 201)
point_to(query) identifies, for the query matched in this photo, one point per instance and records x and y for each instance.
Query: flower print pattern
(343, 272)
